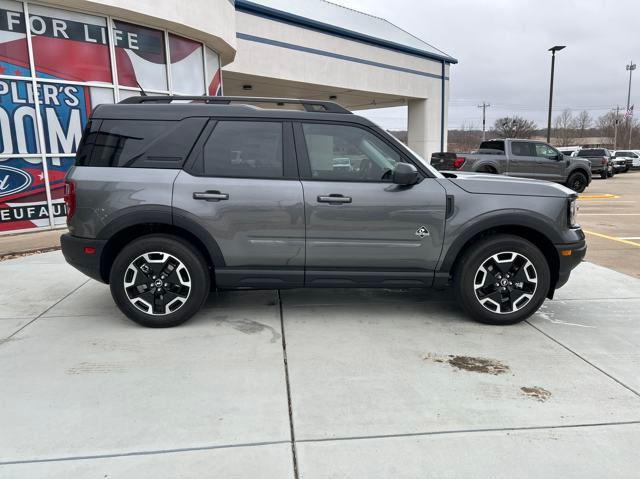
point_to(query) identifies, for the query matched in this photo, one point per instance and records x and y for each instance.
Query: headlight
(573, 212)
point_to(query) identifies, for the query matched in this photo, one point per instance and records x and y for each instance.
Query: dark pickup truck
(600, 160)
(520, 158)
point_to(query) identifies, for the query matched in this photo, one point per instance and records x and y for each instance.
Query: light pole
(553, 51)
(630, 67)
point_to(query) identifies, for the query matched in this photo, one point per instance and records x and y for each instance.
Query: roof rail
(317, 106)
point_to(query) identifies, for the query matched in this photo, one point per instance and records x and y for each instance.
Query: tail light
(458, 162)
(604, 160)
(70, 199)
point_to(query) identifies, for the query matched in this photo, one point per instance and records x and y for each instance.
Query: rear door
(242, 187)
(361, 229)
(523, 160)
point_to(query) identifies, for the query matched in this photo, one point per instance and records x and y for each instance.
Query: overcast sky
(501, 46)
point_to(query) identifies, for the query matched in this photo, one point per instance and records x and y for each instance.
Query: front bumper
(570, 261)
(75, 252)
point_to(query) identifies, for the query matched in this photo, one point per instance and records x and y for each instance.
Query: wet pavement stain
(249, 326)
(470, 363)
(536, 392)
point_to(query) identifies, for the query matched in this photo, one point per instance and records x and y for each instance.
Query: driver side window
(347, 153)
(545, 151)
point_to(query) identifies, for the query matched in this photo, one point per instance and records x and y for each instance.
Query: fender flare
(496, 219)
(167, 216)
(482, 163)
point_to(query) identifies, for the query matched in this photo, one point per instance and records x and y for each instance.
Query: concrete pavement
(376, 384)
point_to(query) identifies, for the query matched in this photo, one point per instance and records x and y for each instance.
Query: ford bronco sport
(172, 197)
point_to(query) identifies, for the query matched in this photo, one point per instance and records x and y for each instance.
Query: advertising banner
(23, 199)
(73, 73)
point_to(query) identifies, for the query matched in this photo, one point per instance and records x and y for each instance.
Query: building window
(79, 60)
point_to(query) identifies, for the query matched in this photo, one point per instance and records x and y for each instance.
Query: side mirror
(405, 174)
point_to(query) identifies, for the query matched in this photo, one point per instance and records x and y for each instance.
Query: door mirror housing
(405, 174)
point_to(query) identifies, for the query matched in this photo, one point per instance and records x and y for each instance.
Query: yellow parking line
(605, 196)
(632, 243)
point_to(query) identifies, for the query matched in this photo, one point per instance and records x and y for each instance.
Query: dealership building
(60, 59)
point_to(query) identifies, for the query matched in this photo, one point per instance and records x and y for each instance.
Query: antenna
(142, 92)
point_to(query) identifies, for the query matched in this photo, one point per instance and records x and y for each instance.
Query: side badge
(422, 232)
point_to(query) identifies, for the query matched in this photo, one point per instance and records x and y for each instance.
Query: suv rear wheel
(503, 279)
(159, 281)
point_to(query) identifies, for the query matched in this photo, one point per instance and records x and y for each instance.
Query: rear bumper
(568, 263)
(73, 249)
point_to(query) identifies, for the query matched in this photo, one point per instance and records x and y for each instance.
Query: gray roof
(343, 21)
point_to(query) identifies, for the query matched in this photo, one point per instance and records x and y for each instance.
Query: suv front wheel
(159, 281)
(502, 279)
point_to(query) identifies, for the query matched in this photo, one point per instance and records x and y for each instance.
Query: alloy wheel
(157, 283)
(505, 282)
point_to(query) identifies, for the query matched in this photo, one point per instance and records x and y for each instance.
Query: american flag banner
(629, 113)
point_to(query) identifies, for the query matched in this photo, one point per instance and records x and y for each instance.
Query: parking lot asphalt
(350, 383)
(610, 215)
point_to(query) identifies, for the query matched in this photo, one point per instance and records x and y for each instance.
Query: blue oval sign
(13, 180)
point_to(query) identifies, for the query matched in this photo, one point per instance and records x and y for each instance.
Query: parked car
(600, 159)
(520, 158)
(619, 164)
(631, 157)
(569, 150)
(169, 200)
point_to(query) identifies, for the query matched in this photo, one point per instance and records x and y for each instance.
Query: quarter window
(244, 149)
(347, 153)
(142, 143)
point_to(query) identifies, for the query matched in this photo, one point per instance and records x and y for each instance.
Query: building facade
(60, 59)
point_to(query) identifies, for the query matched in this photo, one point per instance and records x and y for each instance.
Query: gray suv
(172, 197)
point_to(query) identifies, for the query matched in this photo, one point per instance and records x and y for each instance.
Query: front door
(551, 163)
(361, 229)
(243, 190)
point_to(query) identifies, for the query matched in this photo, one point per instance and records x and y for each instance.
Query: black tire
(172, 260)
(577, 181)
(626, 169)
(611, 172)
(525, 299)
(604, 174)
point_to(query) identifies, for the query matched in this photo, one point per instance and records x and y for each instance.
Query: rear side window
(523, 148)
(244, 149)
(144, 143)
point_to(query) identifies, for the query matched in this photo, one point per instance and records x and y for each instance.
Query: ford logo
(13, 180)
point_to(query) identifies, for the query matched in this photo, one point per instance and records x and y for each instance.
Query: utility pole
(630, 67)
(615, 128)
(553, 51)
(484, 107)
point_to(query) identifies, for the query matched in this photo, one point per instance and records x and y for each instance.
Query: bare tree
(583, 122)
(565, 126)
(605, 126)
(514, 127)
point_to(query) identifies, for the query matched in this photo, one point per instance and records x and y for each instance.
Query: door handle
(334, 199)
(210, 195)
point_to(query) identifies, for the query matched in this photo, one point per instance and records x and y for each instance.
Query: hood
(483, 183)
